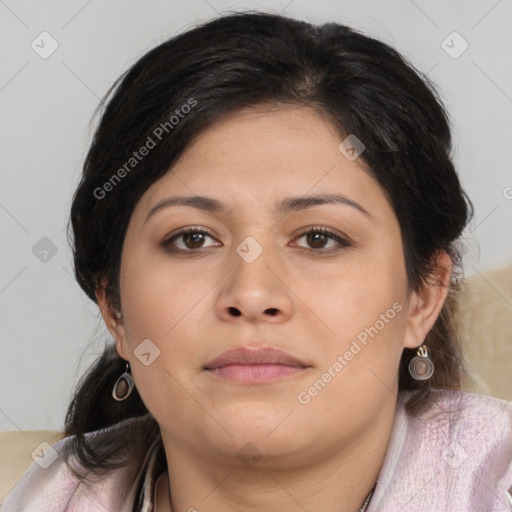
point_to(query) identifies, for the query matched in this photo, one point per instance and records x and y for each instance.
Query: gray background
(50, 332)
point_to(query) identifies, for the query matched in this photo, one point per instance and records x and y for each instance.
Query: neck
(163, 499)
(338, 480)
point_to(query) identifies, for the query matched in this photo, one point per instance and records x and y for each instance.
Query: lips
(260, 356)
(249, 366)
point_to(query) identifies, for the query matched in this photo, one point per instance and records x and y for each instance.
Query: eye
(190, 238)
(318, 237)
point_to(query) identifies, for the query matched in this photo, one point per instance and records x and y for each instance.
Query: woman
(268, 220)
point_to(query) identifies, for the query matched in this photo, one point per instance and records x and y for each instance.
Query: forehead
(257, 156)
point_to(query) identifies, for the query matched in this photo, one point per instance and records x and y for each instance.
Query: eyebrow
(285, 206)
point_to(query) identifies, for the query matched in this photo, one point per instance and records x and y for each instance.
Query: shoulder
(470, 433)
(471, 412)
(469, 423)
(455, 455)
(50, 485)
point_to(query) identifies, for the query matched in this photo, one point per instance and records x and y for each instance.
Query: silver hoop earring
(123, 386)
(421, 366)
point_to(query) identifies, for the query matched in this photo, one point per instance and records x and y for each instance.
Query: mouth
(252, 366)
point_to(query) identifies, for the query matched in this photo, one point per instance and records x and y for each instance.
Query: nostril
(234, 311)
(272, 311)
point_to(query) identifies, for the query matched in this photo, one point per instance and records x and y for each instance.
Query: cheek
(358, 366)
(159, 305)
(157, 295)
(362, 318)
(355, 294)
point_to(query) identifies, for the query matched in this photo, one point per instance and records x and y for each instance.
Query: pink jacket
(454, 457)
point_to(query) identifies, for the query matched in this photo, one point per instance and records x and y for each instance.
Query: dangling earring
(421, 366)
(123, 386)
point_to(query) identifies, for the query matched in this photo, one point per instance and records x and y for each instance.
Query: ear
(113, 320)
(426, 304)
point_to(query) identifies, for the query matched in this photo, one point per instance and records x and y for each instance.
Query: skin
(321, 456)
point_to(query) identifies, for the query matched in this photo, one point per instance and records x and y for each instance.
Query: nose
(255, 292)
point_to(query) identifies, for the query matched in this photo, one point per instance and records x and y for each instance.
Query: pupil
(315, 238)
(195, 240)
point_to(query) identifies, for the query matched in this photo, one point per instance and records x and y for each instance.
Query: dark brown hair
(361, 85)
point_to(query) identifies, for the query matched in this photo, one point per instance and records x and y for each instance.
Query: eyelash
(342, 242)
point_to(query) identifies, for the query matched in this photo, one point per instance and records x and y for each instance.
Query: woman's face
(256, 273)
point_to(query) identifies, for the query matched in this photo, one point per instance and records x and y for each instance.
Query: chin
(274, 430)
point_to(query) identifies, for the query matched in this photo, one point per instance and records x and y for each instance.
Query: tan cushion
(484, 321)
(16, 448)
